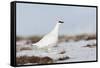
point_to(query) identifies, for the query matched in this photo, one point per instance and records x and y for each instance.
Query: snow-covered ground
(75, 50)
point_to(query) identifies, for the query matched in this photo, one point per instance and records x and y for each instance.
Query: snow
(73, 49)
(77, 52)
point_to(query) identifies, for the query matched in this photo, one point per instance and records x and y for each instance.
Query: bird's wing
(47, 40)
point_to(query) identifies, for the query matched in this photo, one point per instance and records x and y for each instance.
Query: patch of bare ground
(62, 38)
(62, 52)
(34, 39)
(25, 48)
(64, 58)
(66, 38)
(90, 46)
(33, 59)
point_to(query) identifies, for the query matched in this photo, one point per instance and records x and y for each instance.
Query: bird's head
(61, 22)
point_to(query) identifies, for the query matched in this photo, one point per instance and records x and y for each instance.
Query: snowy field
(77, 52)
(71, 51)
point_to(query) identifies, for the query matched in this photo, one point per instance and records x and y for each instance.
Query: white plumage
(50, 39)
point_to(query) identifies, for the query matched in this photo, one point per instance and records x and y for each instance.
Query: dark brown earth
(33, 59)
(90, 46)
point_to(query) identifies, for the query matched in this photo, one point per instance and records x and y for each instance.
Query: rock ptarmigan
(50, 39)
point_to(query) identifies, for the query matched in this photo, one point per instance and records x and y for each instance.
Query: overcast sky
(36, 19)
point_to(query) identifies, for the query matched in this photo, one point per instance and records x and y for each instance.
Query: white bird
(50, 39)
